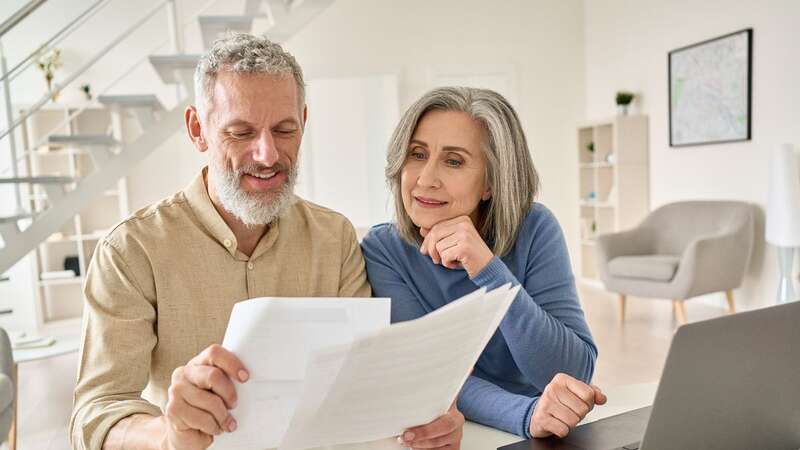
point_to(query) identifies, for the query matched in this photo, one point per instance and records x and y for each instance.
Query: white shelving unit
(59, 301)
(614, 183)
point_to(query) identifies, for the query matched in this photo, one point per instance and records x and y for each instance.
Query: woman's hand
(564, 403)
(455, 244)
(443, 433)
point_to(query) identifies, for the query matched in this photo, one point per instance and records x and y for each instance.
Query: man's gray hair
(244, 53)
(510, 173)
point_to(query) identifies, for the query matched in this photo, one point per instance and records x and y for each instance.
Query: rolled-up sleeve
(117, 343)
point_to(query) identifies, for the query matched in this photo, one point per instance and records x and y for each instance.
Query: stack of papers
(364, 381)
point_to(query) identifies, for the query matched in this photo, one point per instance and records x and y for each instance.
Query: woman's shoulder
(383, 236)
(540, 218)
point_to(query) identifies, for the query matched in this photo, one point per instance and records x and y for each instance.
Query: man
(162, 284)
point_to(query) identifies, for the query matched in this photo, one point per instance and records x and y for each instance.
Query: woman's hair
(510, 175)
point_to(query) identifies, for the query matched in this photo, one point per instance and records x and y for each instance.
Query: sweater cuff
(494, 275)
(528, 417)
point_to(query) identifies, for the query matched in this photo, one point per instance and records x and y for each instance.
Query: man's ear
(194, 128)
(305, 115)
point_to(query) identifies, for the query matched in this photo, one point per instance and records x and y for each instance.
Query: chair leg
(680, 311)
(731, 304)
(622, 299)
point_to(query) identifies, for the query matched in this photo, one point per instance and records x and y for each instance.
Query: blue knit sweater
(543, 333)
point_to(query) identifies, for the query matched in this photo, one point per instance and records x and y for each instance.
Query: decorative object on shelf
(710, 90)
(783, 215)
(590, 147)
(48, 61)
(611, 158)
(624, 99)
(72, 263)
(87, 91)
(594, 228)
(591, 196)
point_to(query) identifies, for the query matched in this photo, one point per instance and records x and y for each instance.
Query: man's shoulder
(154, 220)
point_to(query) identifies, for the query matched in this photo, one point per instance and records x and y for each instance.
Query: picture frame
(710, 91)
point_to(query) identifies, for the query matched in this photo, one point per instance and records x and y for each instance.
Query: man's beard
(252, 208)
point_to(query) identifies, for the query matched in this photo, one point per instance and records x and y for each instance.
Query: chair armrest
(712, 263)
(635, 241)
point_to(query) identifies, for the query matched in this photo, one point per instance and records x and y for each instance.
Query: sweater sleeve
(479, 400)
(544, 328)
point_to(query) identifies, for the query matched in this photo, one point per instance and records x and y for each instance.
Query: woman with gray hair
(464, 187)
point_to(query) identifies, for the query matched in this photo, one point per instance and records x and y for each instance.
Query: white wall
(626, 48)
(533, 49)
(539, 43)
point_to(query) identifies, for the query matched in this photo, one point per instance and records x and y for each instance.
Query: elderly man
(162, 284)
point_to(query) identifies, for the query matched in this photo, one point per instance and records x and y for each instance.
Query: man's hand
(456, 244)
(564, 403)
(443, 433)
(200, 396)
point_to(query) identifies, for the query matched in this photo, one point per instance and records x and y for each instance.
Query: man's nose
(265, 150)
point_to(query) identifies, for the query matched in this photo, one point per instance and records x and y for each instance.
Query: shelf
(596, 165)
(108, 193)
(588, 242)
(61, 281)
(96, 236)
(595, 204)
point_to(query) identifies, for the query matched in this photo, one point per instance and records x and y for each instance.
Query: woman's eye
(417, 155)
(454, 163)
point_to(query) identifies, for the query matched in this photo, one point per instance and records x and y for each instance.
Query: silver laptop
(728, 383)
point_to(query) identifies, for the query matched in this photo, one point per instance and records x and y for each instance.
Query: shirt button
(227, 243)
(250, 266)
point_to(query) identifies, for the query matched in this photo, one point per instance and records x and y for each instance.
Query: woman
(464, 187)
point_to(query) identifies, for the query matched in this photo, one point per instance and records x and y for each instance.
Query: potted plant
(48, 62)
(624, 99)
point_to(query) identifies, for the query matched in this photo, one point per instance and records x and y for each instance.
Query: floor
(632, 352)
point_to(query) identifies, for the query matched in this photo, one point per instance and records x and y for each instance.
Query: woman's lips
(429, 202)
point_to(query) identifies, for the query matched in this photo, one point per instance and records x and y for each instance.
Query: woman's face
(444, 175)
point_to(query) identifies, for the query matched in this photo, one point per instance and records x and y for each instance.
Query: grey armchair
(681, 250)
(7, 382)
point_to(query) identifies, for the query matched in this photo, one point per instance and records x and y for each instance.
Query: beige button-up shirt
(161, 287)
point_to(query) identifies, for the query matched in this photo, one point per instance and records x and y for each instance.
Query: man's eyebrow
(236, 122)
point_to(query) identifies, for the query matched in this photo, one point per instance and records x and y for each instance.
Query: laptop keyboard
(634, 446)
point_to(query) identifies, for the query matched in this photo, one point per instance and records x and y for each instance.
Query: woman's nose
(429, 176)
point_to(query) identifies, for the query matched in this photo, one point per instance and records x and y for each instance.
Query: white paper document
(274, 338)
(332, 372)
(399, 377)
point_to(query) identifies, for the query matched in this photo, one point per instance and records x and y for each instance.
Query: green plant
(48, 61)
(87, 91)
(590, 147)
(625, 98)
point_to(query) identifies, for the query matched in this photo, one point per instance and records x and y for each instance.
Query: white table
(620, 400)
(63, 345)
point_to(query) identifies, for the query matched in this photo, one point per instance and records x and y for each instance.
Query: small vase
(622, 110)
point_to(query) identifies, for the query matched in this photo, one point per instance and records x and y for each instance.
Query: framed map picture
(710, 91)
